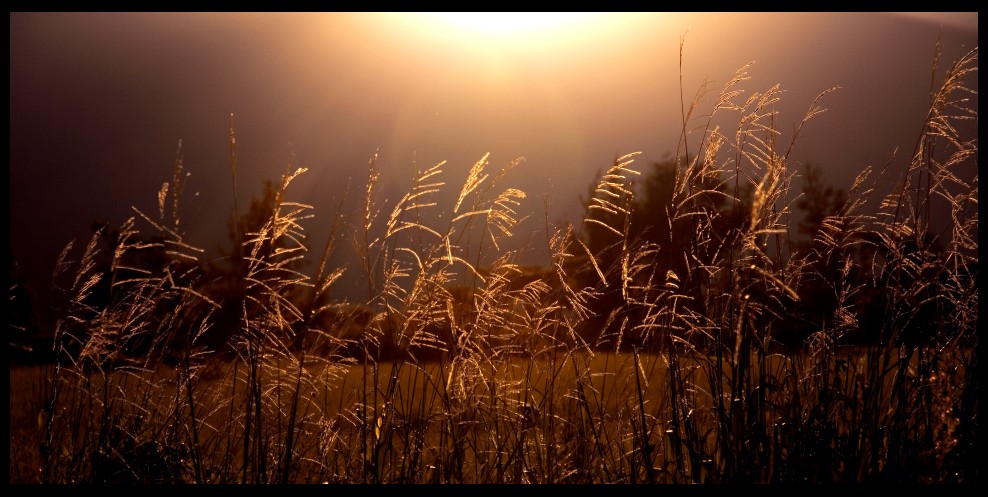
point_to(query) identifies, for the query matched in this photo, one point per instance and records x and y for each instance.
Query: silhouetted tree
(818, 291)
(671, 209)
(817, 201)
(679, 216)
(251, 238)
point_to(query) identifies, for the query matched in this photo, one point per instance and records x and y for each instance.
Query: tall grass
(623, 359)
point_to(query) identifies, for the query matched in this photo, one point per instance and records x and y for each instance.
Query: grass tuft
(680, 334)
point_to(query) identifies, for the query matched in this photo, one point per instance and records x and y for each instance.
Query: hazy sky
(99, 102)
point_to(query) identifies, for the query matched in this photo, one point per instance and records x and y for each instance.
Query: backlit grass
(691, 353)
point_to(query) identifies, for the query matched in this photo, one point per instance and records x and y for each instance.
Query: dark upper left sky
(99, 102)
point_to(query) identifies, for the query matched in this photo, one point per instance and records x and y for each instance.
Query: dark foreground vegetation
(704, 324)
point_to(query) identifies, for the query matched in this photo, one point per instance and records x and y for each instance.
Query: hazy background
(99, 102)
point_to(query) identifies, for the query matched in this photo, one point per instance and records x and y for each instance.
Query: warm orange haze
(99, 102)
(493, 247)
(508, 27)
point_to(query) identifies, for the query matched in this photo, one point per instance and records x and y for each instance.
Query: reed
(685, 350)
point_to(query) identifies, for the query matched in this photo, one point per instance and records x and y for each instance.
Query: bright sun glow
(498, 30)
(509, 23)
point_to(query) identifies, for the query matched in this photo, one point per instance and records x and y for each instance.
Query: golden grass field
(682, 337)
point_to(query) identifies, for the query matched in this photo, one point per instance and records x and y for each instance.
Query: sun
(506, 30)
(509, 23)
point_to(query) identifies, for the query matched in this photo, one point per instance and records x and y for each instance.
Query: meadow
(682, 333)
